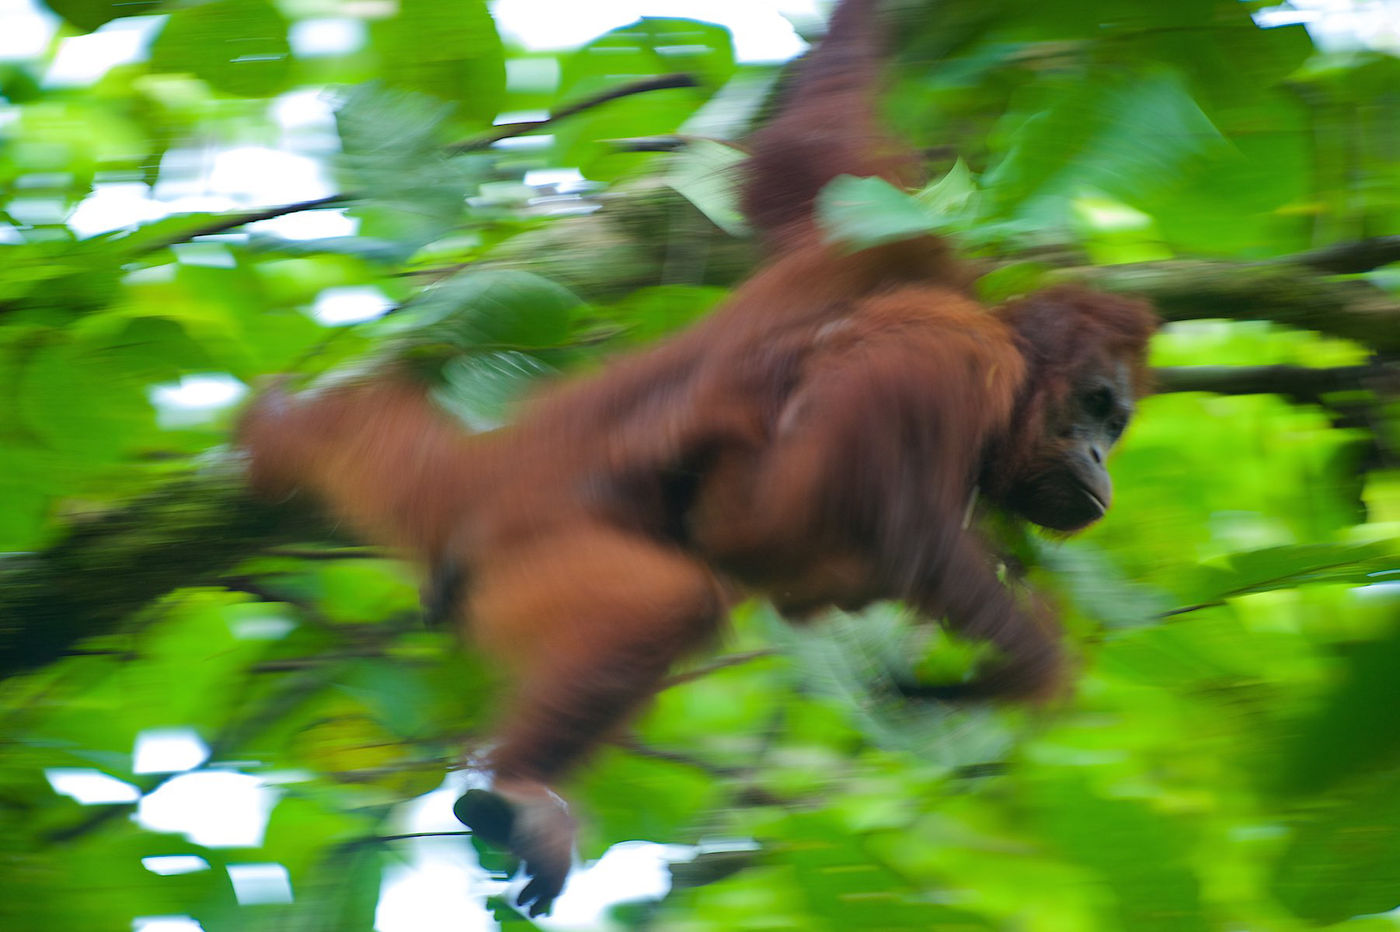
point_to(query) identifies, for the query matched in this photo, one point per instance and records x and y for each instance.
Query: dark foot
(489, 816)
(536, 828)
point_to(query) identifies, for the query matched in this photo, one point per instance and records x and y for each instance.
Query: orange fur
(816, 441)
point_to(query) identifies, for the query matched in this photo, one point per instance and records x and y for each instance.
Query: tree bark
(189, 533)
(1286, 293)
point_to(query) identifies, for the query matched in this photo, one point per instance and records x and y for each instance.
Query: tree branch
(194, 530)
(475, 144)
(1184, 289)
(1298, 383)
(233, 221)
(1351, 258)
(648, 143)
(187, 534)
(407, 836)
(630, 742)
(719, 663)
(509, 130)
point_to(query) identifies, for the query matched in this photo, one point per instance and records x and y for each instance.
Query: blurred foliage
(1229, 760)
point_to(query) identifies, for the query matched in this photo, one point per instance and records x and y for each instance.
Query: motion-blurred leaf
(1344, 859)
(480, 387)
(862, 212)
(953, 197)
(238, 46)
(847, 887)
(707, 173)
(650, 47)
(115, 414)
(1129, 139)
(362, 591)
(648, 314)
(411, 192)
(1356, 731)
(1100, 589)
(489, 309)
(87, 15)
(1137, 852)
(1287, 567)
(449, 51)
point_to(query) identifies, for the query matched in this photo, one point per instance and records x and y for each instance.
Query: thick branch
(1188, 290)
(609, 253)
(194, 530)
(1295, 382)
(187, 534)
(197, 529)
(1352, 258)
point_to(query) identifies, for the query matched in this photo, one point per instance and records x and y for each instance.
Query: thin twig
(233, 221)
(634, 745)
(475, 144)
(648, 143)
(719, 663)
(1259, 586)
(509, 130)
(404, 836)
(339, 553)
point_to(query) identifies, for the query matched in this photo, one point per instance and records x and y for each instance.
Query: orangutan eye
(1098, 403)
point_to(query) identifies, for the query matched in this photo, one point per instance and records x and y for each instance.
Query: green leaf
(340, 896)
(450, 51)
(648, 314)
(238, 46)
(1291, 566)
(359, 591)
(952, 197)
(25, 486)
(1130, 139)
(99, 883)
(650, 47)
(113, 415)
(1356, 730)
(629, 798)
(1012, 280)
(299, 830)
(392, 156)
(193, 642)
(74, 278)
(858, 213)
(480, 387)
(707, 173)
(847, 888)
(87, 15)
(368, 248)
(1199, 651)
(851, 658)
(489, 309)
(1345, 860)
(1137, 851)
(1099, 588)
